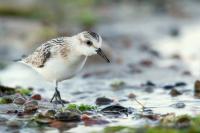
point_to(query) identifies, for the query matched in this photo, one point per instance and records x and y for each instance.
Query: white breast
(61, 69)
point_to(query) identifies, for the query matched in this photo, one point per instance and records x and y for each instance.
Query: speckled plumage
(62, 58)
(49, 49)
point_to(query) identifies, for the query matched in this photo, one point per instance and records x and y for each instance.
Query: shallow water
(135, 62)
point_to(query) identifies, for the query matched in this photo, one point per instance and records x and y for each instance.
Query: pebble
(116, 110)
(149, 83)
(131, 96)
(168, 87)
(174, 92)
(103, 101)
(85, 117)
(30, 106)
(179, 105)
(197, 86)
(180, 84)
(174, 31)
(36, 97)
(14, 123)
(197, 89)
(146, 63)
(67, 116)
(19, 100)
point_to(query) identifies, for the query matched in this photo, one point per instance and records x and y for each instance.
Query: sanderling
(62, 58)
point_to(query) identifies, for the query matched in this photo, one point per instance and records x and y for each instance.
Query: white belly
(60, 69)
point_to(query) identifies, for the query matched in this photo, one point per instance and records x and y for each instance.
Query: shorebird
(62, 58)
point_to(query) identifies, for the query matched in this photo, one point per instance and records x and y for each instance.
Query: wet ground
(154, 59)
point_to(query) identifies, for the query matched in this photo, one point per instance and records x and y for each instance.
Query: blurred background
(140, 36)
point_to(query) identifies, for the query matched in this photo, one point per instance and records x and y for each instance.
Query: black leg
(57, 96)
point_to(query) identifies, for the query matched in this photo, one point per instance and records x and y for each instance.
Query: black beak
(100, 52)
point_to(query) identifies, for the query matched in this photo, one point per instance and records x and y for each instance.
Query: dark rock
(67, 116)
(183, 122)
(180, 84)
(19, 100)
(30, 106)
(197, 86)
(20, 113)
(149, 83)
(168, 87)
(178, 105)
(12, 111)
(6, 90)
(36, 97)
(147, 111)
(174, 31)
(197, 89)
(117, 110)
(103, 101)
(175, 92)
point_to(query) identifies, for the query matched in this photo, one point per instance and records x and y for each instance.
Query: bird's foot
(57, 98)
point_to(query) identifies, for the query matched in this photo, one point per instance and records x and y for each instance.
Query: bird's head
(89, 43)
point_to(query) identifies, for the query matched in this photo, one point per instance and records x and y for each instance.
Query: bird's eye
(89, 43)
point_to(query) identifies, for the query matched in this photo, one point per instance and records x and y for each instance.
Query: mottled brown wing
(45, 51)
(38, 57)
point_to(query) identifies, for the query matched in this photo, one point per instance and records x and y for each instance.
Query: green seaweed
(82, 107)
(24, 91)
(117, 84)
(5, 100)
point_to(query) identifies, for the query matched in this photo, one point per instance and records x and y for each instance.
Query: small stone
(116, 110)
(146, 63)
(12, 112)
(85, 117)
(149, 83)
(179, 105)
(174, 31)
(67, 116)
(175, 92)
(180, 84)
(36, 97)
(30, 106)
(183, 122)
(168, 87)
(14, 123)
(197, 89)
(197, 86)
(131, 96)
(103, 101)
(186, 73)
(19, 100)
